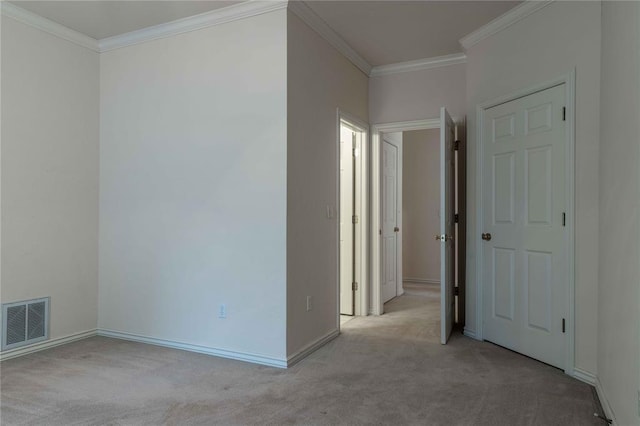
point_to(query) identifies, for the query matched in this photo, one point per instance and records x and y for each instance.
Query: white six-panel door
(389, 220)
(525, 275)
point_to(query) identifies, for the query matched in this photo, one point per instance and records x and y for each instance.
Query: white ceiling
(382, 32)
(387, 32)
(101, 19)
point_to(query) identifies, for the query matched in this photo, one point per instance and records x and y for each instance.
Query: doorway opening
(352, 220)
(430, 257)
(419, 179)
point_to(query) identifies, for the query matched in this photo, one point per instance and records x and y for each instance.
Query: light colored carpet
(387, 370)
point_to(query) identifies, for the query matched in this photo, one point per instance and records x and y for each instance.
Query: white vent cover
(24, 323)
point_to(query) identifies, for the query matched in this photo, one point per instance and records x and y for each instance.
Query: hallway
(414, 315)
(382, 370)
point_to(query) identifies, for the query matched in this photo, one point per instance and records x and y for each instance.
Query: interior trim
(12, 11)
(309, 17)
(192, 23)
(307, 350)
(604, 401)
(584, 376)
(503, 21)
(240, 356)
(419, 64)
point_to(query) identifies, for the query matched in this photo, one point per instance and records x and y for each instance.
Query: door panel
(389, 220)
(504, 187)
(524, 272)
(503, 283)
(447, 225)
(538, 290)
(537, 187)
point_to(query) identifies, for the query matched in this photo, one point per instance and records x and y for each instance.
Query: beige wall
(417, 95)
(544, 46)
(50, 175)
(320, 80)
(619, 244)
(193, 188)
(421, 205)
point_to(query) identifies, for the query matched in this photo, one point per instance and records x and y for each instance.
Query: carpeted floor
(387, 370)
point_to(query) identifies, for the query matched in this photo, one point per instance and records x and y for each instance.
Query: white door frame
(377, 306)
(362, 264)
(569, 82)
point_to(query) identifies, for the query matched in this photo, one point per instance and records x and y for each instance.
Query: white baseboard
(307, 350)
(470, 333)
(608, 411)
(420, 281)
(592, 379)
(223, 353)
(584, 376)
(51, 343)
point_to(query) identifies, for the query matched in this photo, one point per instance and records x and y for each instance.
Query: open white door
(447, 224)
(390, 229)
(347, 226)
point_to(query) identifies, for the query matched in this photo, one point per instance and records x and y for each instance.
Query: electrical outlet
(222, 312)
(309, 303)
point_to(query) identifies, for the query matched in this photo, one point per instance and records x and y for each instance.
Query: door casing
(569, 81)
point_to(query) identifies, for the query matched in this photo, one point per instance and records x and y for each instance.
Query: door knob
(444, 238)
(396, 229)
(486, 237)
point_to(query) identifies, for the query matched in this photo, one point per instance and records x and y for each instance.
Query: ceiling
(101, 19)
(387, 32)
(382, 32)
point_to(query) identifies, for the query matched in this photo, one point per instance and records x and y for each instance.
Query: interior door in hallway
(390, 227)
(447, 225)
(523, 235)
(347, 228)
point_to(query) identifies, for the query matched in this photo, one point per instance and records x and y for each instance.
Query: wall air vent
(24, 323)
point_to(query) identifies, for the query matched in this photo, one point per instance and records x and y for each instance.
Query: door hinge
(354, 219)
(564, 113)
(563, 325)
(354, 286)
(456, 218)
(564, 219)
(456, 146)
(456, 291)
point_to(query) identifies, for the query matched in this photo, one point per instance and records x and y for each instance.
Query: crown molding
(192, 23)
(419, 64)
(503, 21)
(309, 17)
(12, 11)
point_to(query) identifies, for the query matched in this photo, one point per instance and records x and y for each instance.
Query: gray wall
(418, 95)
(319, 81)
(619, 250)
(50, 113)
(193, 187)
